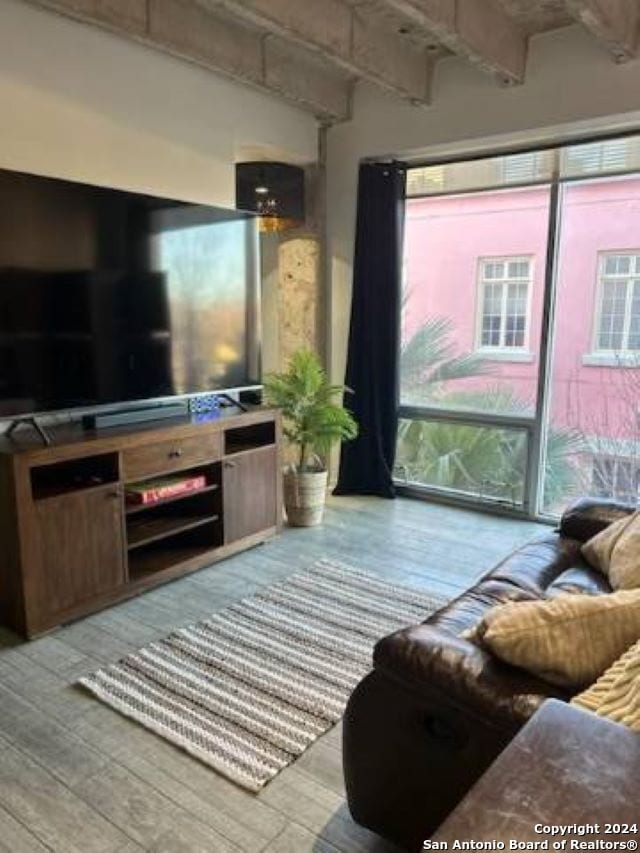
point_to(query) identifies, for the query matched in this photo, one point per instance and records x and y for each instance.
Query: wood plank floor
(76, 776)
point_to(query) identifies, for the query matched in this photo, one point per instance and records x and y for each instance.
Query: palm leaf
(461, 367)
(560, 472)
(429, 358)
(499, 399)
(427, 347)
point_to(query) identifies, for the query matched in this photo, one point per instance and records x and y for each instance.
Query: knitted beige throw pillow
(616, 552)
(616, 694)
(569, 640)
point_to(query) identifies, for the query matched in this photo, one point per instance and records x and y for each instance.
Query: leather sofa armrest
(426, 658)
(589, 516)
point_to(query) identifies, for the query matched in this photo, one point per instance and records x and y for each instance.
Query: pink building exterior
(447, 239)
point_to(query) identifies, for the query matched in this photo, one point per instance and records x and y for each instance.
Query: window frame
(558, 178)
(503, 352)
(613, 357)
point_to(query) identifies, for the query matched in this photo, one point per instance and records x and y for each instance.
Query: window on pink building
(504, 300)
(618, 326)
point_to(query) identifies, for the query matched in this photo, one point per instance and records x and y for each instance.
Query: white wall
(572, 86)
(81, 103)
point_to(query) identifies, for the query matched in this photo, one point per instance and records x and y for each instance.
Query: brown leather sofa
(437, 709)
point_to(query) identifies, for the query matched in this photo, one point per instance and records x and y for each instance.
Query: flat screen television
(113, 297)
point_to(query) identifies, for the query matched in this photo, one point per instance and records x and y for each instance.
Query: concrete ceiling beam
(476, 30)
(187, 30)
(350, 39)
(615, 23)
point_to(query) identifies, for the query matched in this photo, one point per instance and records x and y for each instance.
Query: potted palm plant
(313, 422)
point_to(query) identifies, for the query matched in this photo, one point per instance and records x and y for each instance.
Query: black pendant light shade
(271, 189)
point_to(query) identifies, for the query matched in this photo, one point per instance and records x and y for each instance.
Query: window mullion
(628, 303)
(600, 334)
(538, 449)
(503, 314)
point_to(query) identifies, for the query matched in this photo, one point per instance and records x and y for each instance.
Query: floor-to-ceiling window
(520, 359)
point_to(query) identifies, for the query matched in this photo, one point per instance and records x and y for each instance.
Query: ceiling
(537, 16)
(313, 52)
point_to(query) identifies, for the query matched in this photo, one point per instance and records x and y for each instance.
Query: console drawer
(162, 457)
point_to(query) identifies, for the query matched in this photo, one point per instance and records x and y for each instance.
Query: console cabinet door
(249, 486)
(81, 548)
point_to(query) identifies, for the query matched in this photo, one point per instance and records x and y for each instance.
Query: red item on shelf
(160, 489)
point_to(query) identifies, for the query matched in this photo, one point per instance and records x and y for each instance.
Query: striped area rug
(250, 688)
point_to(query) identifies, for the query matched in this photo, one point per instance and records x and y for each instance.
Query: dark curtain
(366, 464)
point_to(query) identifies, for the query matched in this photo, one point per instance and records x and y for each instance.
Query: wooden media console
(70, 543)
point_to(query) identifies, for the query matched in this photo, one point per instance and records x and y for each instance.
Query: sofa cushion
(615, 551)
(545, 567)
(569, 640)
(467, 610)
(579, 579)
(536, 565)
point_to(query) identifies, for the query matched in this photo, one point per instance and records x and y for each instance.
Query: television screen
(108, 296)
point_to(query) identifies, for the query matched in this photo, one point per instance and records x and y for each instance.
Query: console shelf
(135, 509)
(249, 438)
(71, 544)
(59, 478)
(147, 565)
(145, 531)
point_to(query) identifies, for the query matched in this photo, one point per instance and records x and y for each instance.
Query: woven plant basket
(304, 497)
